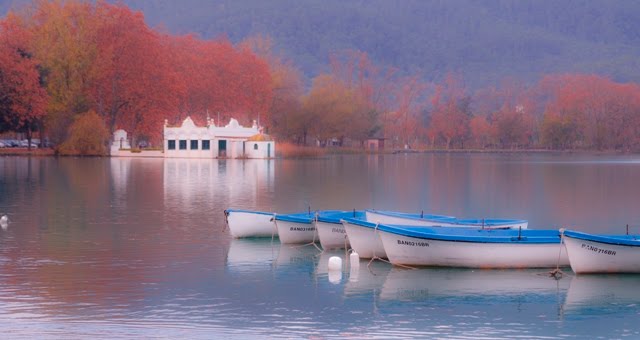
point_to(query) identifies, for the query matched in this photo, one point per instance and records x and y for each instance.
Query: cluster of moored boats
(443, 241)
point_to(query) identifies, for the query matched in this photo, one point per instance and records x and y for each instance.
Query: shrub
(87, 136)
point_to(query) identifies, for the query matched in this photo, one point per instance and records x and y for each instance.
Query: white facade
(259, 149)
(120, 141)
(211, 141)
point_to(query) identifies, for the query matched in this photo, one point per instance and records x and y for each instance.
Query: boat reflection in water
(252, 254)
(258, 254)
(368, 279)
(303, 256)
(491, 285)
(597, 295)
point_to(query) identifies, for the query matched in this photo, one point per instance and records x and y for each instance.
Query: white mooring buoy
(354, 259)
(335, 263)
(4, 221)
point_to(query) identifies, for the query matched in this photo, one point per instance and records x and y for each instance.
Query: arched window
(255, 146)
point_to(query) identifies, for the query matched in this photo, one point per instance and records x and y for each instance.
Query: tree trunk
(304, 137)
(29, 136)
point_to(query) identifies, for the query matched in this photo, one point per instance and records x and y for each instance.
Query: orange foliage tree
(286, 83)
(103, 57)
(451, 112)
(22, 98)
(333, 110)
(405, 122)
(215, 77)
(64, 41)
(133, 86)
(589, 111)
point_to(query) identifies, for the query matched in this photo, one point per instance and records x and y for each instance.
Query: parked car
(25, 144)
(10, 143)
(2, 145)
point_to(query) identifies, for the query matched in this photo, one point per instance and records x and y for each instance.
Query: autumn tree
(330, 109)
(371, 82)
(481, 131)
(286, 83)
(133, 88)
(23, 100)
(410, 101)
(512, 126)
(451, 112)
(64, 41)
(589, 111)
(216, 78)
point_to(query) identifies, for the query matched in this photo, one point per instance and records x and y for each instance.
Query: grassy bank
(26, 152)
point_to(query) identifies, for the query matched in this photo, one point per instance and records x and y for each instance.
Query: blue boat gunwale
(309, 217)
(412, 216)
(297, 217)
(336, 217)
(457, 234)
(619, 240)
(249, 211)
(450, 219)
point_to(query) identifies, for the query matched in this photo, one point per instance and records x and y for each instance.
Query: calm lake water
(104, 248)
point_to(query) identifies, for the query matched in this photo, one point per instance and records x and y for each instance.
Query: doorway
(222, 148)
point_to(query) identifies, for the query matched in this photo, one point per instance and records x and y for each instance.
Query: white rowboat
(602, 253)
(472, 248)
(246, 223)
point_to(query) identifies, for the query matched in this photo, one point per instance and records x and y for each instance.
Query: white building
(211, 141)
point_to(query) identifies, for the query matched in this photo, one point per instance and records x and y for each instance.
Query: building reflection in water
(190, 183)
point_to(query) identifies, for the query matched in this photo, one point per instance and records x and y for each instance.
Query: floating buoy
(335, 264)
(354, 258)
(4, 221)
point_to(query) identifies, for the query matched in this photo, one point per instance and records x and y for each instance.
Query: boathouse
(230, 141)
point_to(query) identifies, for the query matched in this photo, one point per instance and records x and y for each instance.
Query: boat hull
(250, 224)
(291, 232)
(590, 257)
(332, 235)
(364, 240)
(413, 251)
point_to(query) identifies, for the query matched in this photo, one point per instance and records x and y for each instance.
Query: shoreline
(323, 152)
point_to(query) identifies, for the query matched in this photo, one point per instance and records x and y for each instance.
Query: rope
(375, 257)
(275, 222)
(387, 261)
(557, 273)
(313, 242)
(226, 221)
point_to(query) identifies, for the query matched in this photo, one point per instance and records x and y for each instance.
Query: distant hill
(485, 40)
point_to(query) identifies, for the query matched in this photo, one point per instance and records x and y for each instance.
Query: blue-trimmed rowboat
(247, 223)
(392, 217)
(469, 247)
(366, 242)
(330, 229)
(590, 253)
(295, 228)
(299, 227)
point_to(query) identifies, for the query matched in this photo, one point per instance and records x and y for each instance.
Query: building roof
(260, 137)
